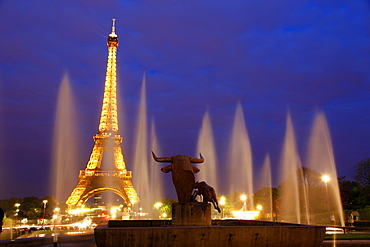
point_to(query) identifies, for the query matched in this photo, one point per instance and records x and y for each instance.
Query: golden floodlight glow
(78, 211)
(247, 215)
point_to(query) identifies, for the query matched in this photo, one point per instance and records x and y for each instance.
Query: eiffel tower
(94, 179)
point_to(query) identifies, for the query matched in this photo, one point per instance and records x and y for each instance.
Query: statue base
(191, 214)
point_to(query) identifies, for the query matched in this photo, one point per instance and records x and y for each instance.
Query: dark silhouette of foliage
(362, 172)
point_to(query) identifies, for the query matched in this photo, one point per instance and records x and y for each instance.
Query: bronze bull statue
(182, 173)
(208, 193)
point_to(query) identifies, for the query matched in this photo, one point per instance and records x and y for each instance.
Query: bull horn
(163, 159)
(196, 160)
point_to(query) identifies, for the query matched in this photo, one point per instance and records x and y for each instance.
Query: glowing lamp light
(222, 201)
(243, 198)
(259, 207)
(325, 178)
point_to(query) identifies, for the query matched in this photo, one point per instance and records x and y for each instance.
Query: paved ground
(328, 243)
(90, 243)
(352, 243)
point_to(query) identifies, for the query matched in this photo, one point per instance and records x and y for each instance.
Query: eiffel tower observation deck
(94, 179)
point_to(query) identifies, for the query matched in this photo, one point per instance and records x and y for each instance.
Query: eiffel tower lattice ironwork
(94, 179)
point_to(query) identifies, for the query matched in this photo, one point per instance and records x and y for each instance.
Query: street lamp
(259, 208)
(244, 199)
(43, 216)
(326, 179)
(158, 206)
(16, 214)
(55, 218)
(222, 203)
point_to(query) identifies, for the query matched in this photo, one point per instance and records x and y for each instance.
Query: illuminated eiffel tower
(93, 179)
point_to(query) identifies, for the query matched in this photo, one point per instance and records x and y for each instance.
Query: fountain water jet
(155, 173)
(321, 159)
(207, 148)
(267, 180)
(64, 148)
(141, 157)
(290, 164)
(240, 158)
(65, 144)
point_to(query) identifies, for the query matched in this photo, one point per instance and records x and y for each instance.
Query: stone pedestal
(235, 233)
(191, 214)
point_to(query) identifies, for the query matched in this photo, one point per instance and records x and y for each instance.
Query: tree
(31, 206)
(308, 177)
(8, 205)
(266, 197)
(166, 206)
(362, 172)
(351, 194)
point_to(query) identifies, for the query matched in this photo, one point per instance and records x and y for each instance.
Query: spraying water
(321, 159)
(206, 146)
(156, 177)
(240, 158)
(65, 144)
(141, 158)
(290, 164)
(266, 179)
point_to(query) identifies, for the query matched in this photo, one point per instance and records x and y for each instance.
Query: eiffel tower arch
(94, 179)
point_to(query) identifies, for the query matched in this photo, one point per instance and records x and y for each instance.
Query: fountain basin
(221, 233)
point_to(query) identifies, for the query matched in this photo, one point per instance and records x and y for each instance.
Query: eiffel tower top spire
(108, 118)
(113, 34)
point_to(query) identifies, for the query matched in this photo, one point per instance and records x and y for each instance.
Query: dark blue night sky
(198, 56)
